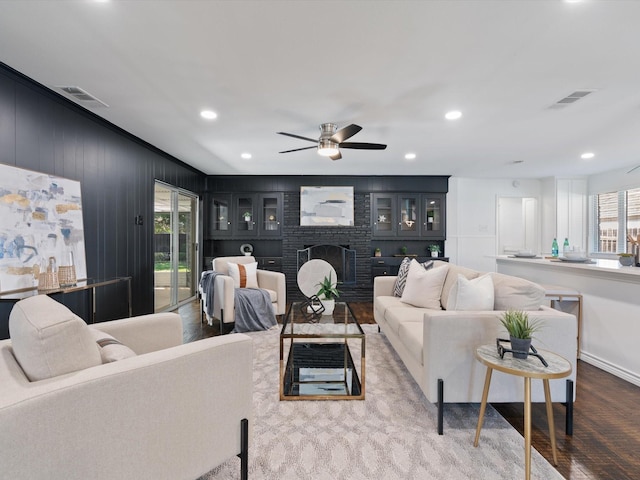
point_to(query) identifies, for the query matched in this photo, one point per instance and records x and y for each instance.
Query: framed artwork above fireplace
(326, 206)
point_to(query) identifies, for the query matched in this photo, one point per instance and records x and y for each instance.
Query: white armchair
(223, 297)
(156, 415)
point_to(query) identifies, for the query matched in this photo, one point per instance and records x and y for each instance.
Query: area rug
(390, 435)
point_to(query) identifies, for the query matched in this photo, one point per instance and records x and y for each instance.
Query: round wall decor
(246, 249)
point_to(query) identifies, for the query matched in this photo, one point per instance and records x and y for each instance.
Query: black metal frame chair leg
(244, 449)
(440, 406)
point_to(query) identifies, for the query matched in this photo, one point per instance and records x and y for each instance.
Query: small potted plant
(247, 216)
(377, 252)
(403, 250)
(520, 330)
(626, 259)
(435, 250)
(327, 294)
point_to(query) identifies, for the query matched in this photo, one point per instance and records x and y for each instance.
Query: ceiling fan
(331, 141)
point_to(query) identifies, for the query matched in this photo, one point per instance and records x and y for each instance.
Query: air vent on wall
(571, 99)
(82, 96)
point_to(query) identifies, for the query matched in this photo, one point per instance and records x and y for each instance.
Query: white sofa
(162, 414)
(438, 346)
(223, 294)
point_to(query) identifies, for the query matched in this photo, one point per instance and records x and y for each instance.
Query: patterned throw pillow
(403, 272)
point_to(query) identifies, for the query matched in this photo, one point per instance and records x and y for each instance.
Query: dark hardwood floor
(606, 431)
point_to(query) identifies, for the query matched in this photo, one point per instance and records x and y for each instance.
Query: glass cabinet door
(383, 209)
(409, 221)
(433, 224)
(219, 217)
(270, 214)
(245, 221)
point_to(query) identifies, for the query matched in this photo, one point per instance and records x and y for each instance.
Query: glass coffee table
(317, 355)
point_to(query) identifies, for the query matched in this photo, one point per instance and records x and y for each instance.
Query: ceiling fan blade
(297, 149)
(363, 146)
(314, 140)
(346, 132)
(337, 156)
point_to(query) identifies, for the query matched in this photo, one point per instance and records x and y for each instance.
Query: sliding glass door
(175, 246)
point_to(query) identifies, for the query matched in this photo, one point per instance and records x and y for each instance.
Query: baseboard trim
(622, 373)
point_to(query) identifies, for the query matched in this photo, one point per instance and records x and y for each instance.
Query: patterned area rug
(390, 435)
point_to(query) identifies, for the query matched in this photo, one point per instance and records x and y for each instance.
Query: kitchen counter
(611, 307)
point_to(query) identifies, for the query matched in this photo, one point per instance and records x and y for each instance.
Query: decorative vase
(520, 345)
(329, 305)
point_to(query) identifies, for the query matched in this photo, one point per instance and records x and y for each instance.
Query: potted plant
(328, 294)
(403, 250)
(247, 216)
(626, 259)
(520, 330)
(435, 250)
(377, 252)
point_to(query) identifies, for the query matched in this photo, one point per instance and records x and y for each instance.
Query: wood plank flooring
(606, 432)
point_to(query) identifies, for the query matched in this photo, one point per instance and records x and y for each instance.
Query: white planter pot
(329, 305)
(434, 254)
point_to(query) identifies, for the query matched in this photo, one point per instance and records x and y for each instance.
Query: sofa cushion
(403, 271)
(396, 316)
(111, 349)
(244, 275)
(475, 294)
(452, 278)
(424, 287)
(49, 340)
(515, 293)
(411, 336)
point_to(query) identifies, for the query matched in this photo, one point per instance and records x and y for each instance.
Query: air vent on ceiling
(82, 96)
(571, 99)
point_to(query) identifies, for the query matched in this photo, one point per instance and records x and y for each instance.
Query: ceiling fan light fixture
(327, 148)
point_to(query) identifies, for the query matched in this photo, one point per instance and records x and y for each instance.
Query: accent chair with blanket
(232, 276)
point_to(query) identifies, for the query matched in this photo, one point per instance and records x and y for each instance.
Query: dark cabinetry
(251, 215)
(383, 266)
(407, 215)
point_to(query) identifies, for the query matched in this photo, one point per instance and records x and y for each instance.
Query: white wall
(471, 217)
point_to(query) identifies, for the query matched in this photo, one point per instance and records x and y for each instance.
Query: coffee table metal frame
(331, 332)
(529, 368)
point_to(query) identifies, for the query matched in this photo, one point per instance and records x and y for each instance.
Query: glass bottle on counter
(565, 246)
(554, 248)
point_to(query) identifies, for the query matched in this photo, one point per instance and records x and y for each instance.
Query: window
(616, 216)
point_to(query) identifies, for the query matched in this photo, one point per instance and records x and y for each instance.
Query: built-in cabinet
(406, 215)
(251, 215)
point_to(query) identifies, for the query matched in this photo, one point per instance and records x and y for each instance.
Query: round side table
(529, 368)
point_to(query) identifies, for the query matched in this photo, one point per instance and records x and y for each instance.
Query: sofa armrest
(450, 339)
(383, 286)
(128, 417)
(145, 333)
(275, 281)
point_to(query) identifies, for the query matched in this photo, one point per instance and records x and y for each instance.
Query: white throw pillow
(49, 340)
(244, 274)
(403, 271)
(515, 293)
(424, 287)
(111, 350)
(475, 294)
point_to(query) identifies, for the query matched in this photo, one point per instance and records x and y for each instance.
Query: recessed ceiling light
(410, 156)
(246, 156)
(587, 155)
(453, 115)
(208, 114)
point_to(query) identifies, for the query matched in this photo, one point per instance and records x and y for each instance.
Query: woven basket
(48, 281)
(67, 276)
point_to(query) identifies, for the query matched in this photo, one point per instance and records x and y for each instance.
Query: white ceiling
(393, 67)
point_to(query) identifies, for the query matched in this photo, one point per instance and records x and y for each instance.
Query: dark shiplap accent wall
(42, 131)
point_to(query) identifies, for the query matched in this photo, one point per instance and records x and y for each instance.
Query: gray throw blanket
(253, 310)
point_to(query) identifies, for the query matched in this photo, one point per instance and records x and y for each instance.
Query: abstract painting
(40, 218)
(328, 206)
